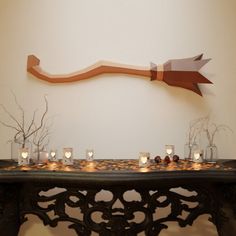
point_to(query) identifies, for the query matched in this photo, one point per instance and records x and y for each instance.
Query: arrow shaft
(94, 70)
(178, 72)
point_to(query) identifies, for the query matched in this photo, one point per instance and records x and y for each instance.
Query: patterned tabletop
(108, 165)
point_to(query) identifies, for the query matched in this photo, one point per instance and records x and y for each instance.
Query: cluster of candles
(144, 157)
(67, 157)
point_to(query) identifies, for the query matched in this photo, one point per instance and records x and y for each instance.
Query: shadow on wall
(34, 225)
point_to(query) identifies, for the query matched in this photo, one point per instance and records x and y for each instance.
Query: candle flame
(68, 154)
(24, 155)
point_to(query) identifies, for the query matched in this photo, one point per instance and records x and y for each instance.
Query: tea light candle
(24, 154)
(170, 150)
(198, 156)
(68, 156)
(144, 158)
(53, 155)
(23, 157)
(89, 154)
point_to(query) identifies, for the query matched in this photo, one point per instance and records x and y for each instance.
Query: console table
(211, 187)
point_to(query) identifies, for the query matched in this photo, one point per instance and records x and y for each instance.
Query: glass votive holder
(144, 159)
(170, 150)
(53, 155)
(23, 156)
(89, 154)
(43, 157)
(198, 156)
(67, 158)
(189, 150)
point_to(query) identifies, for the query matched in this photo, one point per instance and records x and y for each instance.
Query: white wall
(118, 115)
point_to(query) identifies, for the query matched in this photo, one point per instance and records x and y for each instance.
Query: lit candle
(68, 156)
(23, 157)
(53, 155)
(198, 156)
(144, 158)
(170, 150)
(89, 154)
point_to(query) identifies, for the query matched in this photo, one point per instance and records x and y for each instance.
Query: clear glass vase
(211, 154)
(189, 150)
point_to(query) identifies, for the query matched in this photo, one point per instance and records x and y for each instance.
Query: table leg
(226, 217)
(9, 210)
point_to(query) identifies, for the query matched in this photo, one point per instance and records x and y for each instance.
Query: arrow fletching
(182, 73)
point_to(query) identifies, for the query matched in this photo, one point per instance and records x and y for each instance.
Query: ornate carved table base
(204, 189)
(103, 217)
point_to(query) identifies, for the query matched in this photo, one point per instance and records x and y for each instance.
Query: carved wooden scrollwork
(105, 217)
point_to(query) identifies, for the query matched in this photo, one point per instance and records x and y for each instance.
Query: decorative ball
(175, 158)
(167, 159)
(157, 159)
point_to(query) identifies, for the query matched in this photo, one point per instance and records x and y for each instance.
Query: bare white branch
(21, 110)
(42, 119)
(211, 129)
(23, 131)
(12, 117)
(31, 123)
(9, 126)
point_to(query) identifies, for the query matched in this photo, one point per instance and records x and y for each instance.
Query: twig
(12, 117)
(21, 109)
(22, 130)
(42, 118)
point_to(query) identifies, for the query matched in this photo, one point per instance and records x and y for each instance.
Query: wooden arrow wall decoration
(178, 72)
